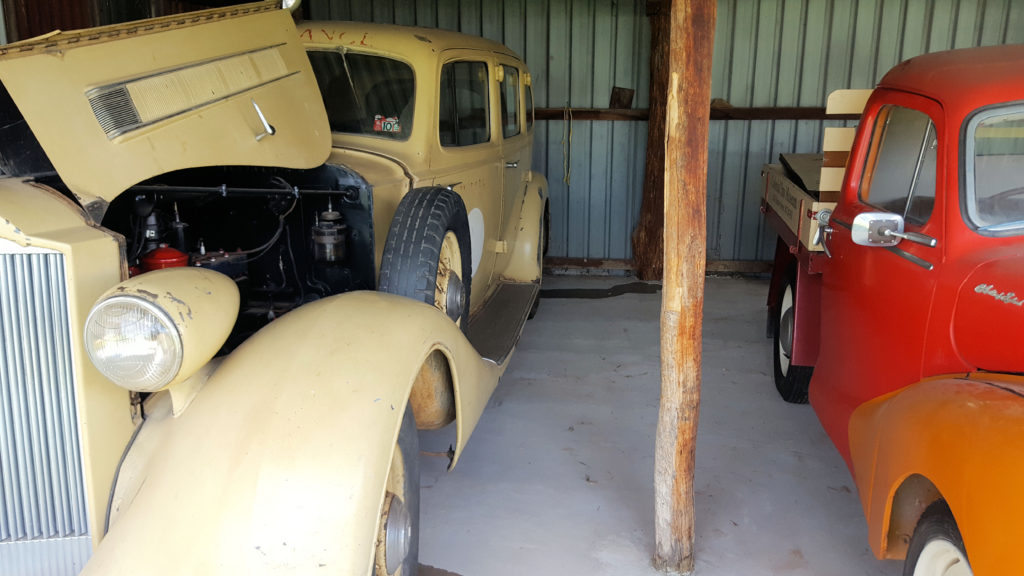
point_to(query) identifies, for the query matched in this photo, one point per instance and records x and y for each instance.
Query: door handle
(513, 164)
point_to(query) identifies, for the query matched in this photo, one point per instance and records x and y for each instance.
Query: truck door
(876, 300)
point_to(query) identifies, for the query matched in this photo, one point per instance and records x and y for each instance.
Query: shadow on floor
(431, 571)
(590, 293)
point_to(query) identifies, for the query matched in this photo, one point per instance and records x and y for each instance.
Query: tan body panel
(390, 184)
(32, 215)
(278, 466)
(523, 261)
(198, 86)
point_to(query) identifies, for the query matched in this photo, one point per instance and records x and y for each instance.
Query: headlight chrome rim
(163, 319)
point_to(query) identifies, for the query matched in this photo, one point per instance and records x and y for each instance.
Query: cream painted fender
(525, 263)
(278, 466)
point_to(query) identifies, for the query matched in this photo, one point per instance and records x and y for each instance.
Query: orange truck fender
(956, 437)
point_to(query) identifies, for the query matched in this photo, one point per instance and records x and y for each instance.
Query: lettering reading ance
(1006, 297)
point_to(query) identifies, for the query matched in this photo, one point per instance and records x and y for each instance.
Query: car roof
(963, 80)
(407, 40)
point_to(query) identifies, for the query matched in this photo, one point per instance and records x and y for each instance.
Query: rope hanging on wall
(566, 143)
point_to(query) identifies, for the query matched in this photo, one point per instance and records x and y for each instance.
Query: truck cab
(903, 331)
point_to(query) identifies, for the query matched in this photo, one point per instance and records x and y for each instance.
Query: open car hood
(116, 105)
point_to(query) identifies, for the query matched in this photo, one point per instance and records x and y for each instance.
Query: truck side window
(510, 102)
(463, 115)
(994, 164)
(899, 175)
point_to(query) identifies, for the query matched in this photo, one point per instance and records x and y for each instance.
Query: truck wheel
(396, 552)
(427, 255)
(936, 548)
(791, 381)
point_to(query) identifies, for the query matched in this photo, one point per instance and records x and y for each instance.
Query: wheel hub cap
(455, 297)
(397, 535)
(786, 332)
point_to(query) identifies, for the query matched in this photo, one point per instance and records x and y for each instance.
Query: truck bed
(791, 193)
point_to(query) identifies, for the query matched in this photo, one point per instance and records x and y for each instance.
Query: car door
(515, 146)
(876, 300)
(469, 154)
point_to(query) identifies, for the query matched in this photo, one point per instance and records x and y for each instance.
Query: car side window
(510, 102)
(463, 118)
(899, 175)
(529, 106)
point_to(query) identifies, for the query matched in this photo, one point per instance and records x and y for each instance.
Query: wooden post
(691, 44)
(647, 237)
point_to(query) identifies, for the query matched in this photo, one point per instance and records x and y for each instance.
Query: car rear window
(365, 94)
(463, 118)
(510, 102)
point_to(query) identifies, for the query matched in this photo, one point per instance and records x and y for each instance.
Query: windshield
(365, 94)
(994, 165)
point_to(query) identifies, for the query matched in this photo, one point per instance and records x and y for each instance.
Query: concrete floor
(558, 476)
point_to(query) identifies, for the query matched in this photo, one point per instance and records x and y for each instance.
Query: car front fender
(278, 466)
(954, 437)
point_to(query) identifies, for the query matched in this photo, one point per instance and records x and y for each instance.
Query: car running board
(495, 329)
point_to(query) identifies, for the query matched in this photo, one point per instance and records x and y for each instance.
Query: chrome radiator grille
(43, 524)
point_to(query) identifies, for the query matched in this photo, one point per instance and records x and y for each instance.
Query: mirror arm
(915, 237)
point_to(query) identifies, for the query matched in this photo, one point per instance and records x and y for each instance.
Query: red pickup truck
(898, 312)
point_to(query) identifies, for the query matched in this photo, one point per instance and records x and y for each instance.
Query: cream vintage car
(235, 278)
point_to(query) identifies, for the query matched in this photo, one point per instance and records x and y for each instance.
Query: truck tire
(936, 548)
(427, 254)
(791, 381)
(396, 551)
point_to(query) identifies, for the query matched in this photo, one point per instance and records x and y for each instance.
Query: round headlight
(134, 343)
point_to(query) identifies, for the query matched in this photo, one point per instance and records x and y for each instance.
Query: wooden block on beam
(831, 181)
(847, 101)
(838, 139)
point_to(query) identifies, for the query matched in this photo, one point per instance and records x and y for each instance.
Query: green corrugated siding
(767, 53)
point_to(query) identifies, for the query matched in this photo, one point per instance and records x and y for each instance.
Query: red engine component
(163, 257)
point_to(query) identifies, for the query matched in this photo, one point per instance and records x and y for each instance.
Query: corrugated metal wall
(576, 50)
(793, 53)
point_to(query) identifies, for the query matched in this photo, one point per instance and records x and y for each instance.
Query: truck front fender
(278, 466)
(954, 437)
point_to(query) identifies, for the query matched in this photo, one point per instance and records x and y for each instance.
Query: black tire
(404, 503)
(936, 527)
(791, 381)
(409, 266)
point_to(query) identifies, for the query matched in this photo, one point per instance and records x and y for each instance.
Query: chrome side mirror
(876, 228)
(884, 229)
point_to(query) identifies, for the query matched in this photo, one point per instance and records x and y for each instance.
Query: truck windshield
(365, 94)
(994, 168)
